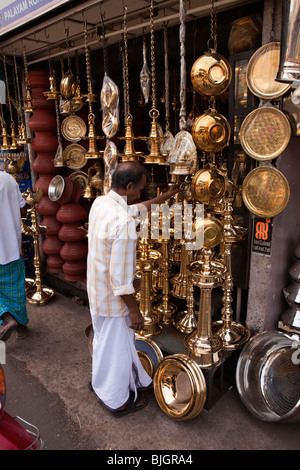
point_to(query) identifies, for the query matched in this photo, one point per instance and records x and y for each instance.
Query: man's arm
(137, 320)
(158, 199)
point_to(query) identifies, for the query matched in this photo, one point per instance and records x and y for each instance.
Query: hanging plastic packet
(145, 75)
(110, 107)
(110, 158)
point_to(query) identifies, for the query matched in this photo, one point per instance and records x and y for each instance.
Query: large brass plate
(74, 156)
(265, 191)
(262, 70)
(265, 133)
(73, 128)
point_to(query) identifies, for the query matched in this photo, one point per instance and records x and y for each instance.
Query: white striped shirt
(111, 261)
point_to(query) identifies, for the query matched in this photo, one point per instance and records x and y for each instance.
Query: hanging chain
(167, 96)
(182, 33)
(104, 41)
(25, 68)
(213, 26)
(8, 94)
(126, 74)
(272, 32)
(18, 94)
(88, 69)
(152, 52)
(68, 49)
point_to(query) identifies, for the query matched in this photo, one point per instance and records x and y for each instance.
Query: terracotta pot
(43, 120)
(43, 164)
(43, 183)
(67, 195)
(54, 263)
(73, 212)
(74, 270)
(47, 207)
(38, 78)
(71, 233)
(52, 245)
(53, 225)
(74, 250)
(45, 142)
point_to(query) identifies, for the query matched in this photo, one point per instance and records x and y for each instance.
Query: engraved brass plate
(74, 156)
(262, 70)
(265, 133)
(265, 191)
(82, 179)
(73, 128)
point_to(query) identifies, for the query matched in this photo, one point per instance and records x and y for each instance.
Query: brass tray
(265, 133)
(82, 179)
(73, 128)
(74, 156)
(265, 191)
(262, 70)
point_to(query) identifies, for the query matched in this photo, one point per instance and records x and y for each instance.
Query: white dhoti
(116, 367)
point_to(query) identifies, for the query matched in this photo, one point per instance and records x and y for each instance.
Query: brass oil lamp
(36, 293)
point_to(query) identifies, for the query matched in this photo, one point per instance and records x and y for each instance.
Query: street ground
(47, 378)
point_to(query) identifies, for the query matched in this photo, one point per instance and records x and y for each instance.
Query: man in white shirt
(117, 373)
(13, 312)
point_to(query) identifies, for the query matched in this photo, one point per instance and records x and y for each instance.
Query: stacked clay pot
(72, 216)
(44, 144)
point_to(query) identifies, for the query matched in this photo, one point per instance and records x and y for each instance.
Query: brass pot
(211, 131)
(212, 230)
(211, 74)
(68, 85)
(208, 186)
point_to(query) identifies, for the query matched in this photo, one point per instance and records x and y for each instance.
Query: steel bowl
(56, 188)
(268, 377)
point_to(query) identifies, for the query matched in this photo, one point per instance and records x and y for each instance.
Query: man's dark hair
(128, 172)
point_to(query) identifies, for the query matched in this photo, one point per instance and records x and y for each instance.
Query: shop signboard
(262, 236)
(15, 13)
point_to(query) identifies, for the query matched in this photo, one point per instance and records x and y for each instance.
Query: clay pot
(71, 233)
(54, 263)
(38, 78)
(43, 120)
(53, 225)
(43, 164)
(75, 270)
(45, 142)
(47, 207)
(69, 213)
(43, 183)
(74, 250)
(52, 245)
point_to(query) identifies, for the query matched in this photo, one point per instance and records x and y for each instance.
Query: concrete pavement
(47, 376)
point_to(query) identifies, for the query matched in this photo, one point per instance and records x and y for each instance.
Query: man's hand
(137, 320)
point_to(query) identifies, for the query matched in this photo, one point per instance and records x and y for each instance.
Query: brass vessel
(211, 74)
(208, 185)
(68, 85)
(211, 131)
(179, 387)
